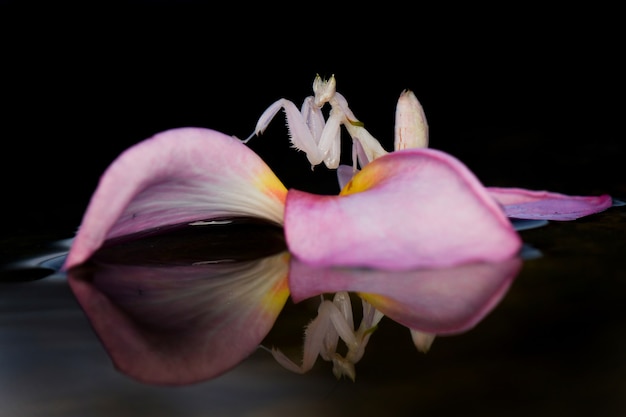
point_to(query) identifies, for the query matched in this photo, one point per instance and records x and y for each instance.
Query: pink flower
(406, 200)
(411, 208)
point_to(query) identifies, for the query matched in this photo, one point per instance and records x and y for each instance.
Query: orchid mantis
(321, 139)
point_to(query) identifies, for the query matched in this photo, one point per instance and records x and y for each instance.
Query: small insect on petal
(411, 129)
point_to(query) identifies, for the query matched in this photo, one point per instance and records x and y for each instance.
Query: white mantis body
(321, 139)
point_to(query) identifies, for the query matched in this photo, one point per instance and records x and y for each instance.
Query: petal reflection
(438, 301)
(181, 324)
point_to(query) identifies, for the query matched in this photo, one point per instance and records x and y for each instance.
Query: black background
(525, 97)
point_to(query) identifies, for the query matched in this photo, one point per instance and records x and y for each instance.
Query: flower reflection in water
(190, 317)
(169, 311)
(429, 302)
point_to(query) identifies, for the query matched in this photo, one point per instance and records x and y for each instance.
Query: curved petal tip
(177, 176)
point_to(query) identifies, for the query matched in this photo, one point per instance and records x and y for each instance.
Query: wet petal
(408, 209)
(435, 301)
(544, 205)
(180, 175)
(181, 324)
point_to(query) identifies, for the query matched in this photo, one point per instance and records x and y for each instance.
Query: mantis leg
(330, 140)
(315, 342)
(299, 133)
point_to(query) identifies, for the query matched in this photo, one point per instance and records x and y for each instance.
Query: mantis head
(324, 89)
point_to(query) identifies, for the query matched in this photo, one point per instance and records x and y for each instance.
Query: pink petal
(183, 324)
(544, 205)
(409, 209)
(440, 301)
(180, 175)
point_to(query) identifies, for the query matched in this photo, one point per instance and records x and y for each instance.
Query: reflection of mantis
(428, 302)
(334, 321)
(320, 139)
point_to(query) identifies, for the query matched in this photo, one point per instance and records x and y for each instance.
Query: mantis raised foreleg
(304, 127)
